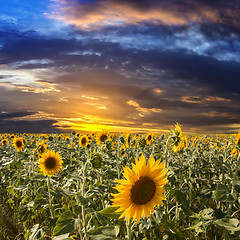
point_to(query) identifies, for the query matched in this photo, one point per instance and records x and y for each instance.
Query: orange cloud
(106, 12)
(141, 109)
(220, 114)
(199, 99)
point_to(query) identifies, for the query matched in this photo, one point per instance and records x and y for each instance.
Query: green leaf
(181, 197)
(25, 214)
(84, 201)
(62, 237)
(40, 202)
(104, 233)
(221, 192)
(65, 224)
(37, 232)
(231, 224)
(207, 214)
(76, 208)
(102, 220)
(110, 212)
(237, 186)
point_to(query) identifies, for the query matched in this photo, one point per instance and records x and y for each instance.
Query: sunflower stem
(129, 229)
(80, 227)
(166, 151)
(83, 194)
(49, 197)
(235, 177)
(33, 172)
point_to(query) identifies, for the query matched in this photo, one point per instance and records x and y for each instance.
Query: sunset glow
(119, 65)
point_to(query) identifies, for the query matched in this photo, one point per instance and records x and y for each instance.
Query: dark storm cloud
(23, 126)
(9, 123)
(215, 31)
(180, 68)
(15, 114)
(28, 48)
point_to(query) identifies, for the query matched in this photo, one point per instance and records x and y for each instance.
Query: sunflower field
(119, 186)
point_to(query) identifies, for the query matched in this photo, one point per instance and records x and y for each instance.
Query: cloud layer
(122, 65)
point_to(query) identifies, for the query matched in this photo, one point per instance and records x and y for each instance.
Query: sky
(120, 65)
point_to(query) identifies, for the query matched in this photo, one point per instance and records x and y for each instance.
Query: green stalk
(166, 214)
(166, 151)
(129, 229)
(33, 173)
(235, 176)
(80, 227)
(83, 194)
(49, 197)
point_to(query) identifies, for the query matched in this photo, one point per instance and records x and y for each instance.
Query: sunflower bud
(96, 160)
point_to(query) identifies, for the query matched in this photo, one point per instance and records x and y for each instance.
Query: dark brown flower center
(84, 141)
(4, 142)
(238, 142)
(41, 149)
(19, 143)
(143, 191)
(50, 163)
(149, 137)
(103, 138)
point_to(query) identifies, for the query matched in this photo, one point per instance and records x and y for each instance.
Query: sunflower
(83, 141)
(42, 147)
(50, 163)
(142, 142)
(67, 139)
(96, 160)
(142, 189)
(234, 152)
(123, 151)
(128, 140)
(149, 138)
(179, 147)
(102, 137)
(18, 143)
(176, 133)
(238, 140)
(5, 141)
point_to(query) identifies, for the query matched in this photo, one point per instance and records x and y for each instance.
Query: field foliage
(203, 200)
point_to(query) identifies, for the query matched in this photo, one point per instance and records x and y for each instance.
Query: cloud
(6, 115)
(141, 109)
(11, 122)
(144, 75)
(102, 12)
(38, 126)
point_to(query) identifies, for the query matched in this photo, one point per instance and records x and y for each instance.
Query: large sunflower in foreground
(142, 189)
(18, 143)
(50, 163)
